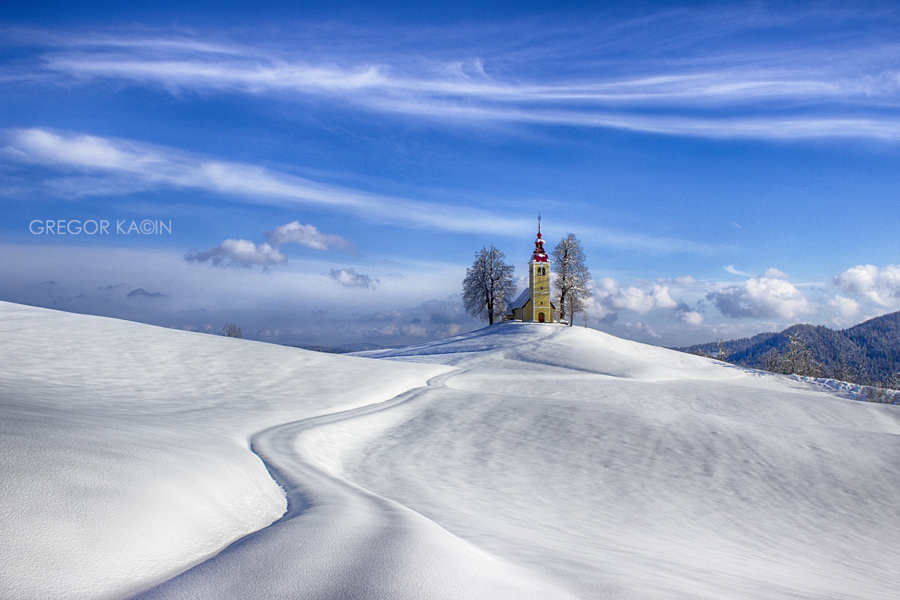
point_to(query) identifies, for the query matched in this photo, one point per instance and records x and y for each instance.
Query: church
(533, 304)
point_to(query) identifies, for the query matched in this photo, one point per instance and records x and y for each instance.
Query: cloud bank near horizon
(342, 299)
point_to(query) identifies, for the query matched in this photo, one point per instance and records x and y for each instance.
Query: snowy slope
(124, 448)
(520, 461)
(619, 470)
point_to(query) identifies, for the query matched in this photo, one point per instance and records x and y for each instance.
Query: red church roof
(539, 254)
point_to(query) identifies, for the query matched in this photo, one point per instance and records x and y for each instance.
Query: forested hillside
(867, 353)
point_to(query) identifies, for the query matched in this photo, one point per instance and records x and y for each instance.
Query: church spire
(539, 254)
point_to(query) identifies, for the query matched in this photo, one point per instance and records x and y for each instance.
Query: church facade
(533, 304)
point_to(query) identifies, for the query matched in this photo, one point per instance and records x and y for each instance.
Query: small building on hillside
(533, 304)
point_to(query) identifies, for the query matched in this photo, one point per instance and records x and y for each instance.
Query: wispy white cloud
(734, 271)
(115, 166)
(144, 166)
(806, 89)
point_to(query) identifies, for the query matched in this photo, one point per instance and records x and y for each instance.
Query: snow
(125, 448)
(519, 461)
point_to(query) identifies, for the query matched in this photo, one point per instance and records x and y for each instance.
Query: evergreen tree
(572, 277)
(488, 284)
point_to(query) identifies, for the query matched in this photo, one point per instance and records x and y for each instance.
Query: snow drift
(517, 461)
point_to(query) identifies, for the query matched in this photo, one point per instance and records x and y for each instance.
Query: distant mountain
(865, 353)
(345, 349)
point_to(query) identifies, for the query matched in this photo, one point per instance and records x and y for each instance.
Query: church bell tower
(539, 283)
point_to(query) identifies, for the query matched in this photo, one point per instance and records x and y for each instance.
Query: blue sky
(329, 172)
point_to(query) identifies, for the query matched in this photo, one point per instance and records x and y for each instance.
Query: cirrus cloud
(760, 92)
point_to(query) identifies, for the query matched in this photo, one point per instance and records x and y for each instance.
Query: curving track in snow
(338, 540)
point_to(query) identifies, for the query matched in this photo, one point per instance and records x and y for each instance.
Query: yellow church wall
(539, 283)
(530, 313)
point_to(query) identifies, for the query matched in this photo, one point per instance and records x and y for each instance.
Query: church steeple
(539, 283)
(539, 254)
(534, 303)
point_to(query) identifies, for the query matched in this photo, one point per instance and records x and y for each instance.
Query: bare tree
(488, 284)
(772, 361)
(799, 359)
(796, 359)
(894, 381)
(845, 371)
(572, 277)
(722, 353)
(232, 330)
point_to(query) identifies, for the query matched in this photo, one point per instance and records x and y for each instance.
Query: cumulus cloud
(773, 273)
(350, 278)
(846, 309)
(881, 286)
(610, 296)
(761, 297)
(305, 235)
(691, 317)
(243, 253)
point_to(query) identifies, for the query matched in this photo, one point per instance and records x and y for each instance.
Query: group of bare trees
(798, 359)
(489, 285)
(232, 330)
(720, 354)
(795, 359)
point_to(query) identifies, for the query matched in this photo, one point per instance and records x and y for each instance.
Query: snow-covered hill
(519, 461)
